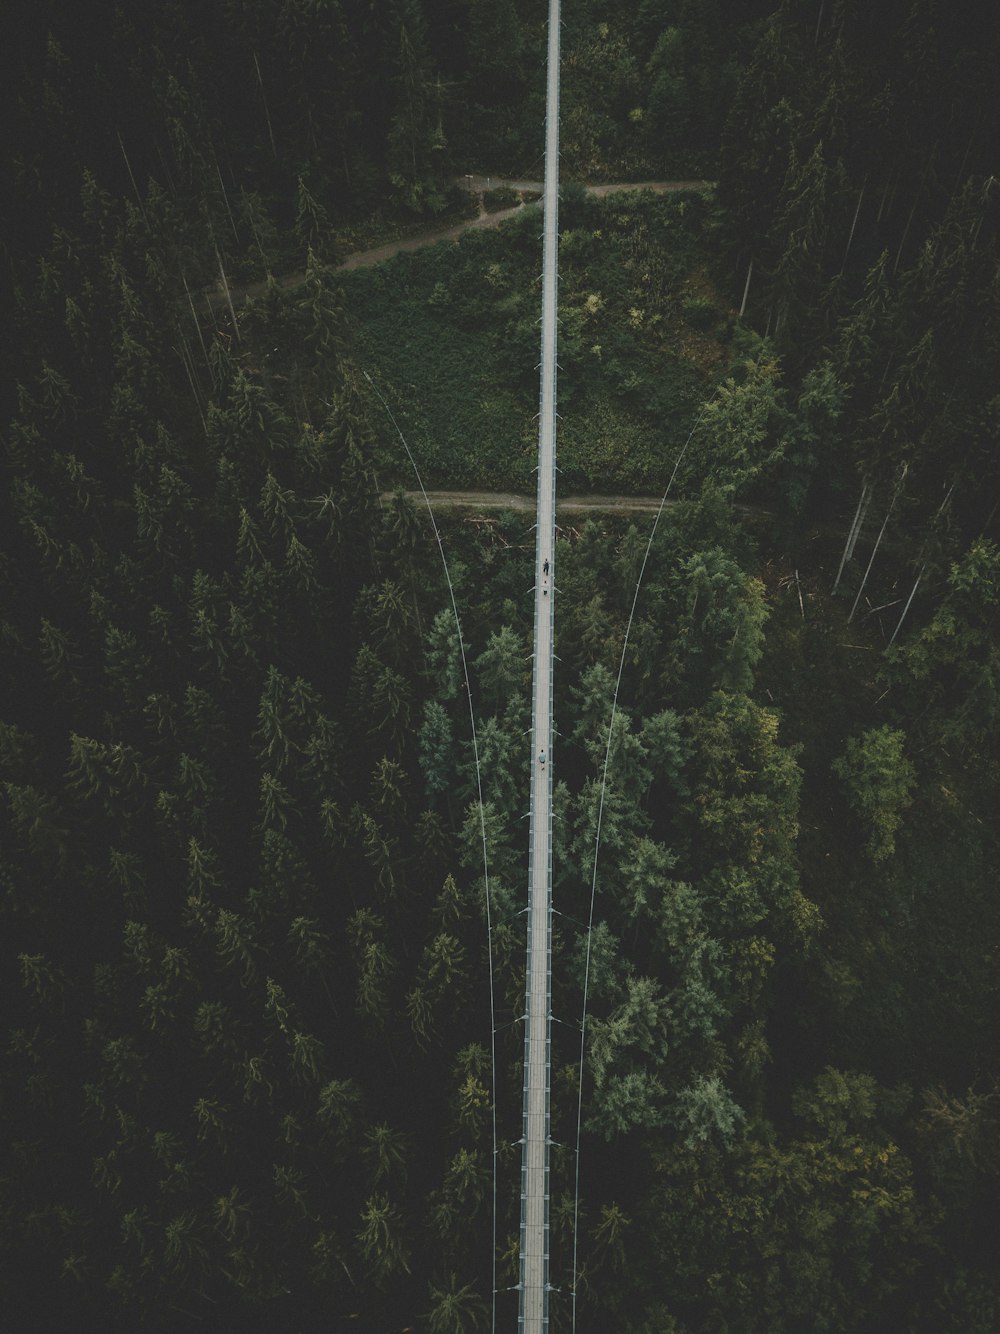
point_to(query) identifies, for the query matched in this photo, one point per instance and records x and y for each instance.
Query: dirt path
(477, 184)
(216, 298)
(362, 258)
(508, 500)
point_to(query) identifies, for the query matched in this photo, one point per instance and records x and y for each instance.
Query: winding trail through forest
(216, 297)
(509, 500)
(480, 501)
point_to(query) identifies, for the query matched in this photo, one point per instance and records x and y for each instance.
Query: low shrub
(502, 197)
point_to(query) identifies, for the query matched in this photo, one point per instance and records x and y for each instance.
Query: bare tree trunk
(968, 149)
(854, 224)
(197, 322)
(906, 232)
(979, 224)
(130, 176)
(902, 618)
(185, 350)
(878, 543)
(990, 517)
(851, 537)
(746, 289)
(885, 373)
(229, 295)
(225, 194)
(819, 20)
(885, 195)
(267, 113)
(166, 170)
(256, 236)
(861, 523)
(920, 573)
(191, 381)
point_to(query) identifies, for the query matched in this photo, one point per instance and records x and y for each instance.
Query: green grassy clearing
(451, 334)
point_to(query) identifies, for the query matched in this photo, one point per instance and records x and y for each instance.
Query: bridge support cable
(482, 831)
(533, 1264)
(597, 848)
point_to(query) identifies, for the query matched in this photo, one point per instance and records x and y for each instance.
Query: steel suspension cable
(597, 846)
(482, 831)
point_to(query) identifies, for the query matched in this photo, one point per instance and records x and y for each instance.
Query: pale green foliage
(723, 622)
(502, 667)
(593, 700)
(732, 444)
(504, 860)
(41, 977)
(437, 747)
(622, 1047)
(443, 968)
(618, 801)
(605, 956)
(646, 872)
(471, 1101)
(679, 915)
(640, 1022)
(339, 1107)
(468, 1181)
(609, 1236)
(444, 655)
(957, 653)
(809, 1221)
(374, 964)
(746, 791)
(276, 803)
(306, 1057)
(236, 944)
(667, 748)
(311, 946)
(697, 1003)
(385, 1152)
(312, 224)
(813, 434)
(456, 1308)
(502, 762)
(879, 781)
(706, 1109)
(837, 1102)
(628, 1102)
(380, 1238)
(449, 905)
(38, 820)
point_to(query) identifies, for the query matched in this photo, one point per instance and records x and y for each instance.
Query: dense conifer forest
(245, 1046)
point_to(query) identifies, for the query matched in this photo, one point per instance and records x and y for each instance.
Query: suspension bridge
(534, 1284)
(533, 1278)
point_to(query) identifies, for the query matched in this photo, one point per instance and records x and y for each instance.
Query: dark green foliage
(246, 1075)
(208, 918)
(879, 781)
(857, 176)
(453, 331)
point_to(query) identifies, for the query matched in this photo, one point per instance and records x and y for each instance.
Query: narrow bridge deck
(533, 1314)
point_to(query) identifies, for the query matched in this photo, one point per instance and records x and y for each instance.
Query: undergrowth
(451, 333)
